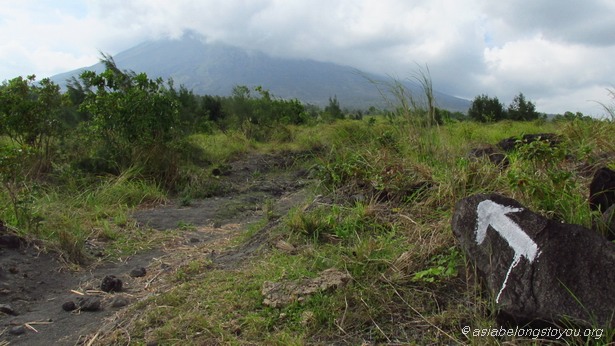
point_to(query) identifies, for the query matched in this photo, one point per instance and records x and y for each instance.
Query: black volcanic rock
(608, 220)
(602, 189)
(69, 306)
(110, 283)
(89, 303)
(138, 272)
(536, 268)
(492, 154)
(512, 143)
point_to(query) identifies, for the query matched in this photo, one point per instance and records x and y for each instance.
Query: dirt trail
(34, 285)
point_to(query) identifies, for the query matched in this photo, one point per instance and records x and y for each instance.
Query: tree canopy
(490, 109)
(486, 109)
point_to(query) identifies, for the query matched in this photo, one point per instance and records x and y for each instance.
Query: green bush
(259, 117)
(29, 116)
(135, 119)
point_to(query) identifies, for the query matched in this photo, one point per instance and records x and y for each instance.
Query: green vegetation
(73, 166)
(489, 109)
(388, 229)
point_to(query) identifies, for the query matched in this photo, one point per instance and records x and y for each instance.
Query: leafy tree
(195, 111)
(569, 116)
(212, 106)
(445, 116)
(136, 118)
(333, 110)
(29, 114)
(238, 107)
(520, 109)
(29, 117)
(130, 107)
(75, 91)
(486, 109)
(259, 115)
(28, 111)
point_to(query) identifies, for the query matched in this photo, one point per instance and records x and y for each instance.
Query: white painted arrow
(494, 214)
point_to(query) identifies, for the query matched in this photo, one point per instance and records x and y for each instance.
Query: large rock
(512, 143)
(606, 224)
(602, 189)
(537, 269)
(492, 154)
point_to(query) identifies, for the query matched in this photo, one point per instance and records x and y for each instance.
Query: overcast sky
(559, 53)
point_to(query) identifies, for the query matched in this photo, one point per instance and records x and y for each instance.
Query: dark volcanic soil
(34, 285)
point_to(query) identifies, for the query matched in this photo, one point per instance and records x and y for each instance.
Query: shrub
(29, 114)
(486, 109)
(135, 118)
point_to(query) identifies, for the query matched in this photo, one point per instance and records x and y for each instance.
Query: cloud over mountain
(215, 69)
(557, 52)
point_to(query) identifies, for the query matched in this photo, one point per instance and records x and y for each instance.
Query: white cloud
(587, 22)
(43, 39)
(554, 51)
(548, 71)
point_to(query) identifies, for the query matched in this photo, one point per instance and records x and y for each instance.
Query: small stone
(119, 302)
(17, 330)
(69, 306)
(111, 284)
(89, 304)
(138, 272)
(7, 309)
(10, 241)
(285, 246)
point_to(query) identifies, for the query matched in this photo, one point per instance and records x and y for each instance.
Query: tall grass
(406, 107)
(221, 147)
(609, 109)
(374, 159)
(65, 218)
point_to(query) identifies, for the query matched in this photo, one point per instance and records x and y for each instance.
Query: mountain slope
(215, 68)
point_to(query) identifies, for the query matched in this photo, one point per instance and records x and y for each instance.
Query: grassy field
(380, 209)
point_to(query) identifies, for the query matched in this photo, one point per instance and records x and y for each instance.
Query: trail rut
(35, 284)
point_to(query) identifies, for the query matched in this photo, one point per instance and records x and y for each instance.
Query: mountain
(215, 68)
